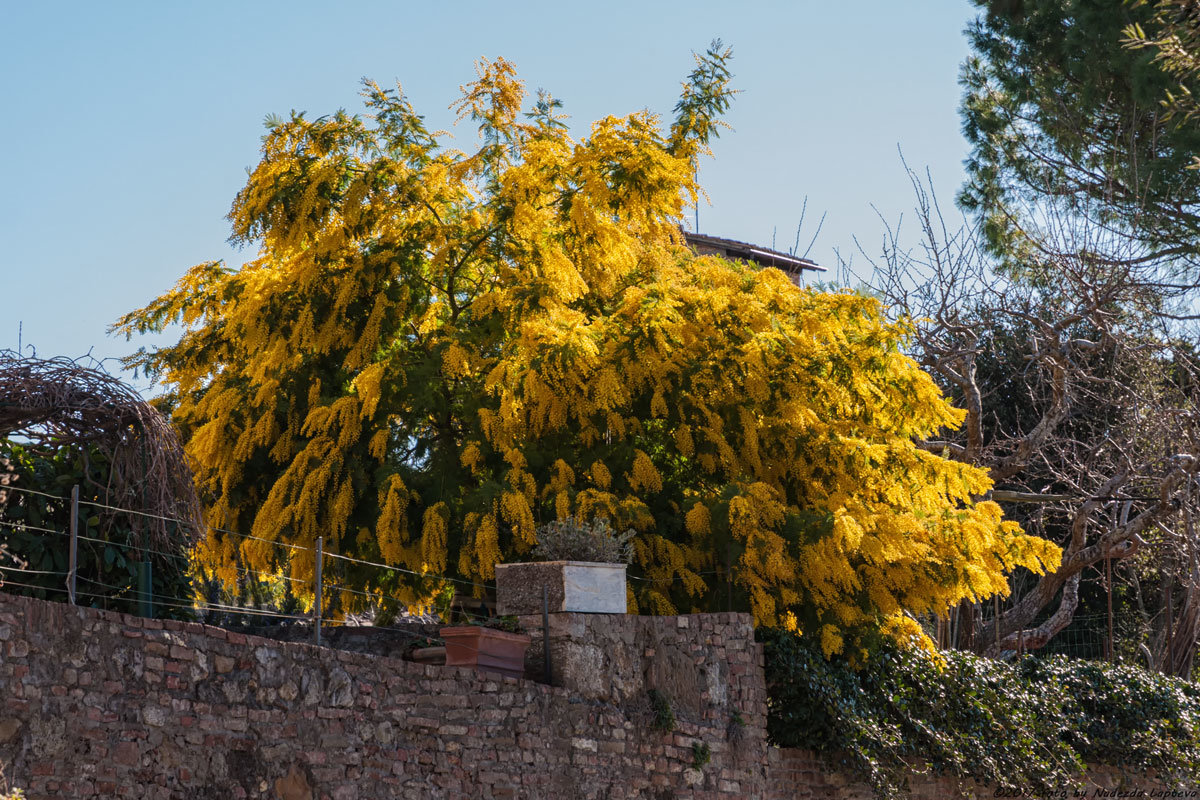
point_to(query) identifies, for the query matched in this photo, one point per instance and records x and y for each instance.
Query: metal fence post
(74, 552)
(317, 592)
(1109, 586)
(1169, 661)
(146, 589)
(996, 616)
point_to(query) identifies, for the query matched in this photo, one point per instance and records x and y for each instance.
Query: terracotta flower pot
(486, 649)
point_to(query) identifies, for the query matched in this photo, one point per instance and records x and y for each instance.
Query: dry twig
(57, 402)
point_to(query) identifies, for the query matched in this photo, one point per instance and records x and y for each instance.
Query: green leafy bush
(1028, 726)
(1125, 715)
(33, 528)
(573, 539)
(660, 706)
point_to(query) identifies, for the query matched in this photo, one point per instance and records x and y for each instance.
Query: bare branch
(58, 402)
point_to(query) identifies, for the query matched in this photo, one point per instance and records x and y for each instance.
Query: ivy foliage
(112, 548)
(1029, 726)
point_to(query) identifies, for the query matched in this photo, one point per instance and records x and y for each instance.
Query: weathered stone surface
(9, 728)
(294, 785)
(391, 642)
(197, 712)
(570, 586)
(188, 711)
(708, 669)
(340, 688)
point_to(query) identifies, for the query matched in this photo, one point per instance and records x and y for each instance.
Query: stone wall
(707, 665)
(98, 704)
(391, 642)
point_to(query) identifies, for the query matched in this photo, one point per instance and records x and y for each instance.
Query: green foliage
(664, 717)
(1059, 109)
(255, 593)
(508, 624)
(735, 731)
(443, 604)
(701, 754)
(33, 527)
(1125, 715)
(573, 539)
(1032, 725)
(1174, 38)
(705, 98)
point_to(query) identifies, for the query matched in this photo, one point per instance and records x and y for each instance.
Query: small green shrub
(664, 717)
(735, 731)
(573, 539)
(508, 624)
(111, 545)
(1028, 726)
(701, 754)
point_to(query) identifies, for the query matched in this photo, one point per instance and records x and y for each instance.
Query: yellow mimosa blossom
(434, 351)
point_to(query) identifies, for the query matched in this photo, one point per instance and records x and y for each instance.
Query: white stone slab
(574, 586)
(593, 588)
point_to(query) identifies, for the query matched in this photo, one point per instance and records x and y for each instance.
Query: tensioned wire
(82, 537)
(273, 576)
(229, 609)
(241, 570)
(205, 605)
(218, 607)
(288, 545)
(326, 554)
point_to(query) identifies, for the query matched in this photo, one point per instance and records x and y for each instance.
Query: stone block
(579, 586)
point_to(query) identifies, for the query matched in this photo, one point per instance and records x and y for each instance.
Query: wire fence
(201, 596)
(273, 597)
(1123, 631)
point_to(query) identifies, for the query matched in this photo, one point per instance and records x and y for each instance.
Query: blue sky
(128, 126)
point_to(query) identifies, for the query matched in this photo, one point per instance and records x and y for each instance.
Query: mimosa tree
(436, 351)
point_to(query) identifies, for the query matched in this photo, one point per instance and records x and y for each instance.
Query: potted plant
(580, 566)
(495, 646)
